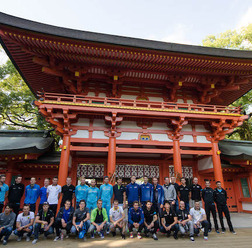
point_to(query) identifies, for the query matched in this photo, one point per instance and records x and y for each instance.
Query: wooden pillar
(111, 165)
(177, 159)
(217, 164)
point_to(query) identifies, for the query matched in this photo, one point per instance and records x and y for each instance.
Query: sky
(180, 21)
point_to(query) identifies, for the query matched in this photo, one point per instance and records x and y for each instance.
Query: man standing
(64, 220)
(117, 219)
(16, 192)
(93, 195)
(196, 192)
(158, 196)
(99, 220)
(169, 221)
(7, 219)
(198, 215)
(184, 193)
(184, 221)
(120, 193)
(220, 197)
(43, 193)
(32, 194)
(136, 219)
(43, 222)
(132, 192)
(170, 194)
(53, 195)
(67, 192)
(24, 223)
(106, 194)
(3, 191)
(208, 197)
(176, 186)
(81, 191)
(150, 220)
(145, 192)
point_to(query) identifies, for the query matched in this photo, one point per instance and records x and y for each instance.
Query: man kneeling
(24, 223)
(117, 219)
(43, 222)
(99, 220)
(150, 220)
(64, 220)
(169, 221)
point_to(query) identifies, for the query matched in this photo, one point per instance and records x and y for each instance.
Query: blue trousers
(38, 229)
(82, 231)
(107, 206)
(21, 233)
(6, 232)
(91, 206)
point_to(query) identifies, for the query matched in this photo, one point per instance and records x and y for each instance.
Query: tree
(236, 39)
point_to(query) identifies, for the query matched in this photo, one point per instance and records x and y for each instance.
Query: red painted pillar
(217, 163)
(111, 165)
(177, 160)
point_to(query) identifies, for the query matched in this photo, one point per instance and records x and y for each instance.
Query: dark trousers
(38, 229)
(153, 229)
(1, 207)
(221, 210)
(40, 206)
(32, 207)
(53, 207)
(174, 228)
(15, 207)
(140, 228)
(210, 208)
(58, 226)
(6, 232)
(205, 225)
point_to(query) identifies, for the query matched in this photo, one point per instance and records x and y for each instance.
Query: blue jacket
(31, 194)
(160, 194)
(81, 192)
(136, 216)
(133, 192)
(146, 192)
(42, 194)
(93, 194)
(106, 192)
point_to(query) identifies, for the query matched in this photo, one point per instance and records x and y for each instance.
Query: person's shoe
(205, 238)
(175, 236)
(131, 236)
(107, 232)
(4, 242)
(92, 235)
(113, 234)
(56, 238)
(233, 232)
(84, 238)
(192, 238)
(34, 241)
(223, 231)
(28, 239)
(139, 236)
(217, 231)
(123, 236)
(67, 236)
(198, 234)
(146, 235)
(154, 236)
(101, 235)
(168, 235)
(19, 239)
(209, 230)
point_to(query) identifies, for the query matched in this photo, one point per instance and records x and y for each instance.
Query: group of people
(151, 208)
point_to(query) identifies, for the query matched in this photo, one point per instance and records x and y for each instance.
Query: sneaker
(56, 238)
(146, 235)
(168, 235)
(113, 234)
(84, 238)
(34, 241)
(19, 239)
(175, 236)
(4, 242)
(139, 236)
(67, 237)
(28, 239)
(233, 232)
(205, 238)
(223, 231)
(192, 238)
(217, 231)
(92, 235)
(101, 235)
(131, 236)
(198, 234)
(123, 236)
(209, 230)
(154, 236)
(61, 236)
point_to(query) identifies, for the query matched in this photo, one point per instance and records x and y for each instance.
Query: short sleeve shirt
(116, 214)
(81, 214)
(149, 214)
(25, 219)
(3, 189)
(45, 216)
(169, 217)
(53, 194)
(197, 214)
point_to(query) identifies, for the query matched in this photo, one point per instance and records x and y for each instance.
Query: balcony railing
(138, 104)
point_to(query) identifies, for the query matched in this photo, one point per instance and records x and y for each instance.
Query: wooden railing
(116, 102)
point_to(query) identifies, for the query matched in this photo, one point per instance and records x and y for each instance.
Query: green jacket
(94, 213)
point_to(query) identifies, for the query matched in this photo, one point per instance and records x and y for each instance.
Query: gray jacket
(169, 193)
(7, 220)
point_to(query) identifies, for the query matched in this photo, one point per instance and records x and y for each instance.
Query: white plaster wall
(91, 94)
(102, 95)
(189, 101)
(81, 134)
(247, 206)
(99, 123)
(180, 101)
(131, 97)
(187, 128)
(205, 163)
(156, 99)
(82, 122)
(129, 124)
(128, 136)
(202, 139)
(160, 137)
(187, 138)
(200, 128)
(159, 126)
(99, 135)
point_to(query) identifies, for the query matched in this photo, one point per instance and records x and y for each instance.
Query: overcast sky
(180, 21)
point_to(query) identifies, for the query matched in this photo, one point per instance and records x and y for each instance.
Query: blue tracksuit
(106, 193)
(132, 192)
(31, 194)
(146, 192)
(93, 194)
(42, 194)
(81, 192)
(136, 216)
(160, 189)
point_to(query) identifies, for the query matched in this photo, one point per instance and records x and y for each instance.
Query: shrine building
(126, 106)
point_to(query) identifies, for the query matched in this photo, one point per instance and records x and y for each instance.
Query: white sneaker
(205, 238)
(56, 238)
(19, 239)
(28, 239)
(34, 241)
(192, 238)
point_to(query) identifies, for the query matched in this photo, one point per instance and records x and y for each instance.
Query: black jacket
(60, 214)
(16, 192)
(208, 195)
(220, 197)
